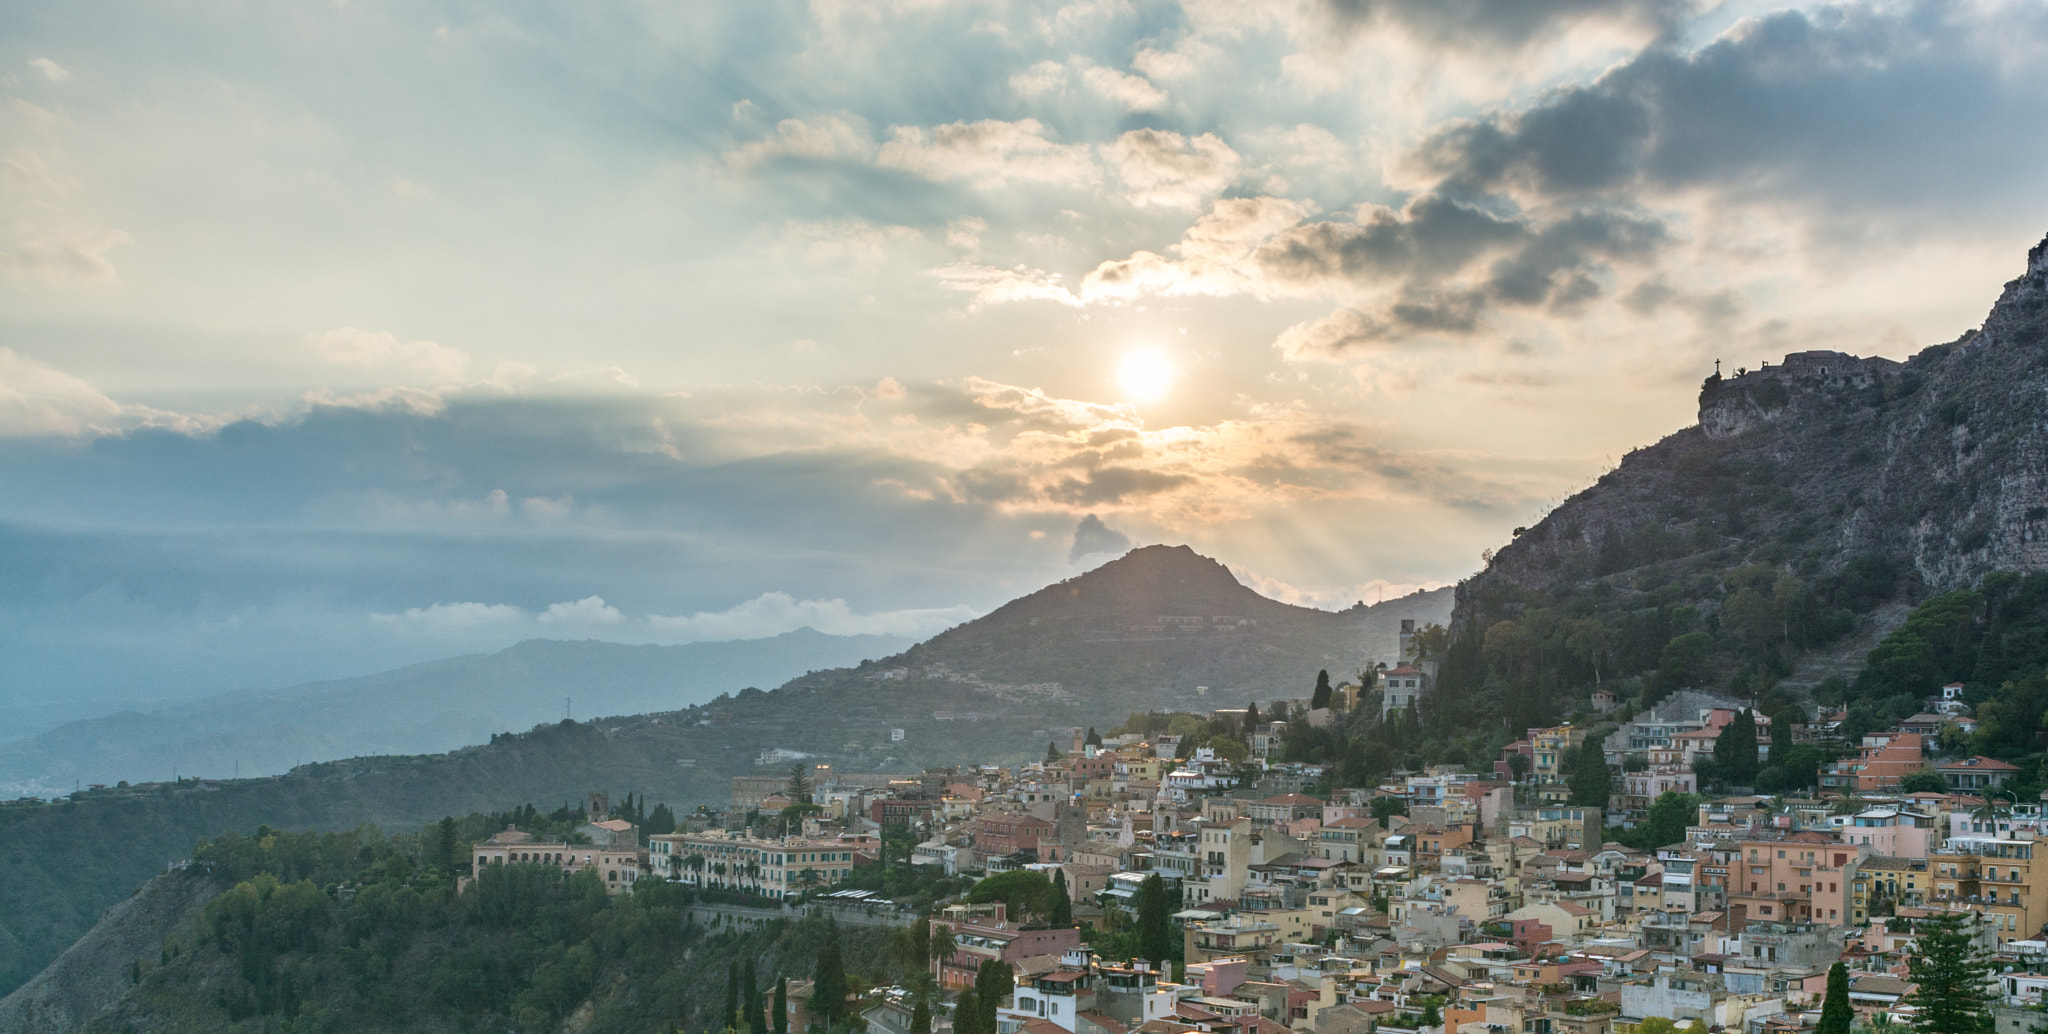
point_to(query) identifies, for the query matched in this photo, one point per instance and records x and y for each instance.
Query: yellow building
(1991, 875)
(1881, 878)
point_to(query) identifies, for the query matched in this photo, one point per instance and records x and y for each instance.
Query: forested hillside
(1809, 504)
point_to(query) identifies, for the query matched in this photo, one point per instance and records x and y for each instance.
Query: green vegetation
(341, 932)
(1950, 973)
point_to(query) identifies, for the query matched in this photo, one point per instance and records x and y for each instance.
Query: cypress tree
(1251, 718)
(1835, 1014)
(1735, 750)
(921, 1017)
(828, 990)
(1590, 780)
(991, 985)
(1950, 972)
(1154, 929)
(732, 996)
(1094, 738)
(757, 1019)
(1062, 911)
(1321, 697)
(782, 1005)
(965, 1012)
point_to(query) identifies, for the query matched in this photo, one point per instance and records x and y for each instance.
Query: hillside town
(1444, 900)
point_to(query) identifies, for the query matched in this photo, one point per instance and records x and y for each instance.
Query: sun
(1145, 375)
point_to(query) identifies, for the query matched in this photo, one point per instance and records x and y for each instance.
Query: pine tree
(1094, 738)
(1835, 1014)
(1062, 910)
(1251, 718)
(1052, 753)
(451, 854)
(828, 987)
(1951, 974)
(782, 1005)
(1321, 697)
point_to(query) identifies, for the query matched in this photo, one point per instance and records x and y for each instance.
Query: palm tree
(1993, 810)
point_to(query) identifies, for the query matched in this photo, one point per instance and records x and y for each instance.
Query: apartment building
(1991, 875)
(775, 867)
(1807, 877)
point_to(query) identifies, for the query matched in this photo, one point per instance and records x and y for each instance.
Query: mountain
(419, 709)
(1812, 503)
(1165, 619)
(966, 696)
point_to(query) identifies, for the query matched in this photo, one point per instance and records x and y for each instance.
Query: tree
(757, 1019)
(943, 946)
(1062, 911)
(1154, 930)
(1321, 697)
(799, 785)
(1251, 718)
(828, 976)
(966, 1012)
(782, 1005)
(451, 855)
(1591, 782)
(1950, 973)
(1735, 750)
(1666, 821)
(661, 820)
(1052, 753)
(1835, 1014)
(732, 995)
(1384, 808)
(1094, 739)
(1518, 766)
(921, 1016)
(1926, 780)
(992, 984)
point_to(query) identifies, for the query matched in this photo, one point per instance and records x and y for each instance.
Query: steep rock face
(1938, 464)
(94, 975)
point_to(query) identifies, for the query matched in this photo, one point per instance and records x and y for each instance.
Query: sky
(340, 336)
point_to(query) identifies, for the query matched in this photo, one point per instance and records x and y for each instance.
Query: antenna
(565, 709)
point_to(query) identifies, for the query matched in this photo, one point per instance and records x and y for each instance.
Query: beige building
(1991, 875)
(617, 866)
(772, 867)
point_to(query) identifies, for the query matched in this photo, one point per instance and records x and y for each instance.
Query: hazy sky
(334, 336)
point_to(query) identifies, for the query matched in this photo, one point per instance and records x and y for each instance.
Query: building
(617, 866)
(984, 932)
(1806, 877)
(1976, 775)
(1992, 875)
(774, 867)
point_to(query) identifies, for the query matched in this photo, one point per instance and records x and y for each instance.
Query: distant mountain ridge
(1169, 620)
(419, 709)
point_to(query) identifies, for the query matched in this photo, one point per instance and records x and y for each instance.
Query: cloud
(1804, 111)
(37, 400)
(993, 286)
(49, 69)
(381, 350)
(62, 260)
(1165, 169)
(988, 154)
(823, 138)
(773, 613)
(1495, 24)
(590, 610)
(1132, 92)
(1093, 536)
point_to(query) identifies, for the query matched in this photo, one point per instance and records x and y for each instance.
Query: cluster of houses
(1445, 899)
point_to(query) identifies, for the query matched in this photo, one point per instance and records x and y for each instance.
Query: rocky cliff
(1935, 468)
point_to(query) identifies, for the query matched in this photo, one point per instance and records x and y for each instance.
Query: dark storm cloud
(1476, 24)
(1115, 485)
(1856, 107)
(1093, 536)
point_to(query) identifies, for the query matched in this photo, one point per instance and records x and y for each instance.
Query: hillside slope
(52, 894)
(1809, 495)
(422, 708)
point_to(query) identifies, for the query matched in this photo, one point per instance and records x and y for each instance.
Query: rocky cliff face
(95, 974)
(1938, 464)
